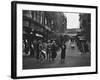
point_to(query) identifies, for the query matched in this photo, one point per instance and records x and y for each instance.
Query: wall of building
(85, 25)
(54, 21)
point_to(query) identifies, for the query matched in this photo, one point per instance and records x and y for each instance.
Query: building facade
(85, 25)
(52, 21)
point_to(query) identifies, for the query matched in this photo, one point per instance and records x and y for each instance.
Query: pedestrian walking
(63, 53)
(53, 49)
(79, 43)
(48, 50)
(37, 51)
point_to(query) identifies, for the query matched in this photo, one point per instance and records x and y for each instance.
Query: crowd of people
(47, 50)
(43, 50)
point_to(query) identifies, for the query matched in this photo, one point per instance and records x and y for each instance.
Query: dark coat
(54, 51)
(63, 52)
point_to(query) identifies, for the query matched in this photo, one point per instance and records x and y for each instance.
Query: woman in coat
(53, 49)
(63, 53)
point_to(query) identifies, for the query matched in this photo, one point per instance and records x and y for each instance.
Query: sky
(72, 20)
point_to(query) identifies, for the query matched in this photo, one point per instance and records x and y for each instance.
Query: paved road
(73, 59)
